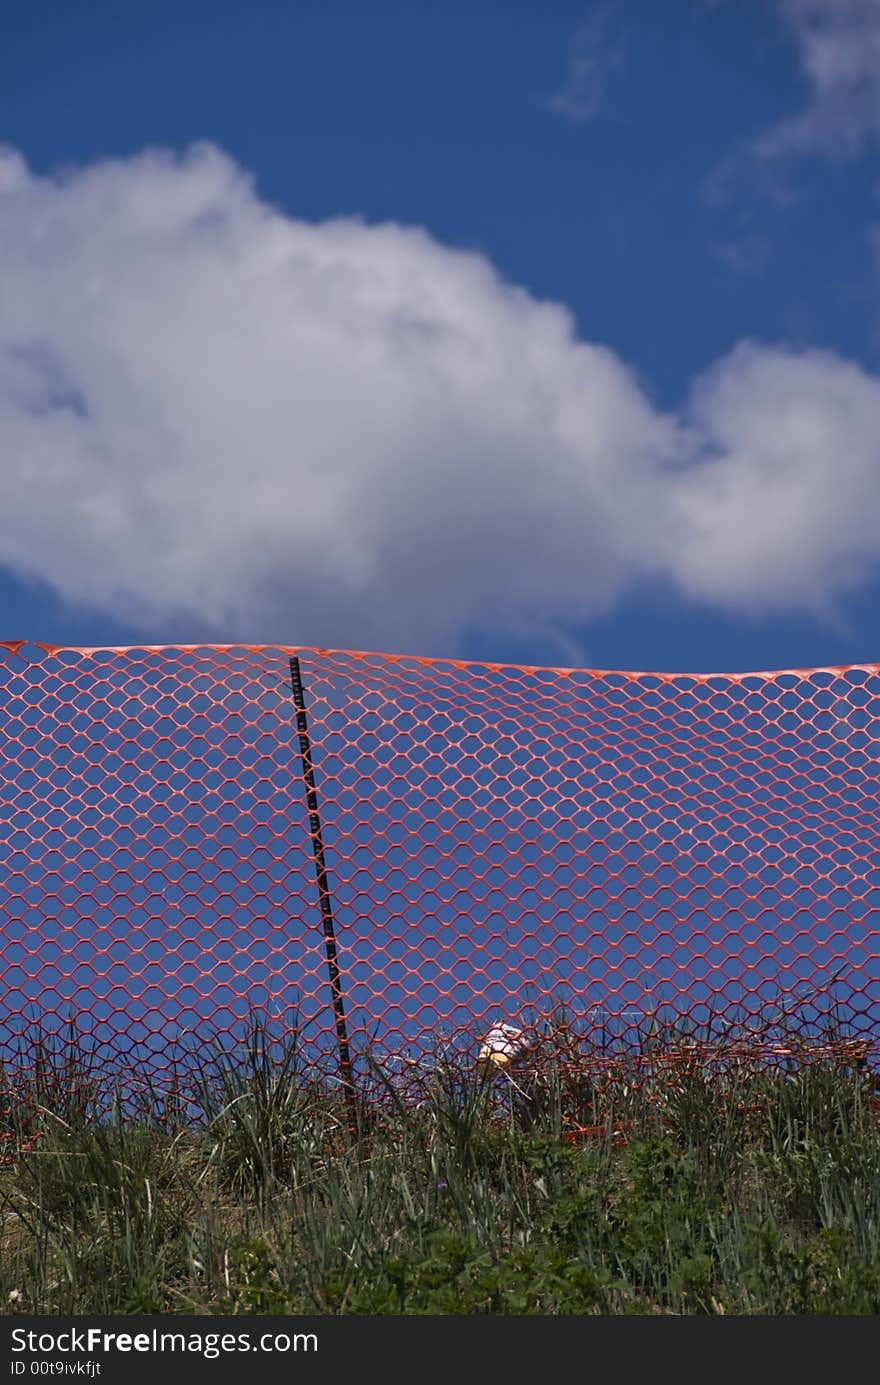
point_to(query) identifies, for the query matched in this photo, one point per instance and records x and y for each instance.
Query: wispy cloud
(838, 44)
(595, 53)
(839, 51)
(747, 254)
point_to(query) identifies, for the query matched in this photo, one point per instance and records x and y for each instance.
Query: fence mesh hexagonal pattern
(500, 842)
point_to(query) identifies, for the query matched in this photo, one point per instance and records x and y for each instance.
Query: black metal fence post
(345, 1066)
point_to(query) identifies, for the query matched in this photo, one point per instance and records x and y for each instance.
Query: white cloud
(351, 435)
(593, 57)
(781, 511)
(838, 45)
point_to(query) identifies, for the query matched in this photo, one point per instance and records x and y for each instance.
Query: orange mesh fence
(533, 847)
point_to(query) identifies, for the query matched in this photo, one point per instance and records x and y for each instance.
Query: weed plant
(689, 1181)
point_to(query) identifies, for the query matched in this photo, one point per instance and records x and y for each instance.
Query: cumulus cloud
(349, 434)
(838, 45)
(780, 513)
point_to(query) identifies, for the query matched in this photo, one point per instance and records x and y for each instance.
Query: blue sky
(518, 332)
(542, 333)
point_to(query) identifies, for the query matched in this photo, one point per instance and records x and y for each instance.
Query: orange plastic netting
(500, 842)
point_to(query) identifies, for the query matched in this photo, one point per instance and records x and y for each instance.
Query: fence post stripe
(345, 1065)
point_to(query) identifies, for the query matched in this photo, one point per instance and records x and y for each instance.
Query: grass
(694, 1180)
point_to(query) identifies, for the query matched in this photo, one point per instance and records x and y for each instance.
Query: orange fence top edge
(430, 660)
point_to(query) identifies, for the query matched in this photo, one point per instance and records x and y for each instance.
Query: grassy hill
(684, 1182)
